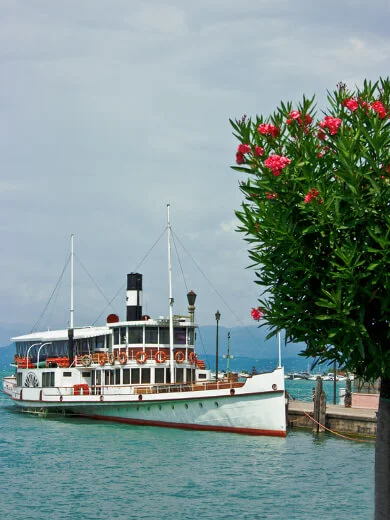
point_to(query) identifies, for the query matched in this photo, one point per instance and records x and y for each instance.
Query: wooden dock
(338, 418)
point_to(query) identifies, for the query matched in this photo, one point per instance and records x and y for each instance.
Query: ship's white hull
(256, 408)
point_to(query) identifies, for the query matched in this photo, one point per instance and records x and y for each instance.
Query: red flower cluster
(259, 151)
(267, 129)
(257, 313)
(332, 123)
(276, 163)
(241, 151)
(378, 107)
(295, 115)
(351, 103)
(312, 194)
(270, 195)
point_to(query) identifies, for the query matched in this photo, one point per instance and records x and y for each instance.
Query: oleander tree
(316, 216)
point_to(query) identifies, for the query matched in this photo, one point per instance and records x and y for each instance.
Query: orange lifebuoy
(103, 359)
(122, 358)
(111, 359)
(140, 357)
(86, 360)
(160, 356)
(179, 357)
(192, 358)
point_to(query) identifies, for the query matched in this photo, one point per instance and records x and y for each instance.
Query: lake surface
(69, 468)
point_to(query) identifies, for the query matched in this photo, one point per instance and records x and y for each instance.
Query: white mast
(172, 365)
(280, 351)
(71, 280)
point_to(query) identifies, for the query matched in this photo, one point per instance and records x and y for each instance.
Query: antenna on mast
(71, 280)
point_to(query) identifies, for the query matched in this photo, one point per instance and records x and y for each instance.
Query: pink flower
(270, 195)
(276, 163)
(241, 151)
(240, 159)
(351, 104)
(295, 114)
(332, 123)
(257, 313)
(259, 151)
(378, 107)
(244, 148)
(267, 129)
(312, 194)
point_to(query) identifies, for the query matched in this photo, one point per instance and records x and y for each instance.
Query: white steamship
(141, 371)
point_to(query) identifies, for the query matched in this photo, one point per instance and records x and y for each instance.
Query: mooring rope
(328, 429)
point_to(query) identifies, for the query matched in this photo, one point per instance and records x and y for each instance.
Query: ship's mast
(71, 280)
(172, 366)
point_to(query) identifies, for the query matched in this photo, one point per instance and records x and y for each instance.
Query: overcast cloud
(111, 109)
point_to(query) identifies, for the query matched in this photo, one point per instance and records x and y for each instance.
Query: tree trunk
(382, 455)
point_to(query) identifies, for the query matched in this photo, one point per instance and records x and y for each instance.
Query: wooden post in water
(319, 407)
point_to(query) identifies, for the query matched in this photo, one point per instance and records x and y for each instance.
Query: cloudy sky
(113, 108)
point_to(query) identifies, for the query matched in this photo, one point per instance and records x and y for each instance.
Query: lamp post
(217, 317)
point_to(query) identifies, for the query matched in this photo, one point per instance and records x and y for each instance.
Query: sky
(113, 109)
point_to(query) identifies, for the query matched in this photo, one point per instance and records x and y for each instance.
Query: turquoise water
(64, 468)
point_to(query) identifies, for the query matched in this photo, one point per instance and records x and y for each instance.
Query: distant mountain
(6, 333)
(7, 355)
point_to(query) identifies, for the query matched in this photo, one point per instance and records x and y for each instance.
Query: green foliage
(317, 221)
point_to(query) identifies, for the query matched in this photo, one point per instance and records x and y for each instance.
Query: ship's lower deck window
(126, 376)
(159, 375)
(145, 375)
(135, 376)
(19, 379)
(179, 375)
(48, 379)
(190, 375)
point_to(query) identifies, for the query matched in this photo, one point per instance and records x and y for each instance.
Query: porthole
(186, 405)
(216, 404)
(200, 405)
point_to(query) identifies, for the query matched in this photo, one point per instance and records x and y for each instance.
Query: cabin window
(67, 374)
(159, 375)
(151, 335)
(145, 375)
(202, 376)
(179, 336)
(117, 376)
(19, 378)
(126, 376)
(179, 375)
(116, 336)
(135, 378)
(48, 379)
(100, 342)
(136, 335)
(164, 336)
(86, 374)
(123, 337)
(191, 337)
